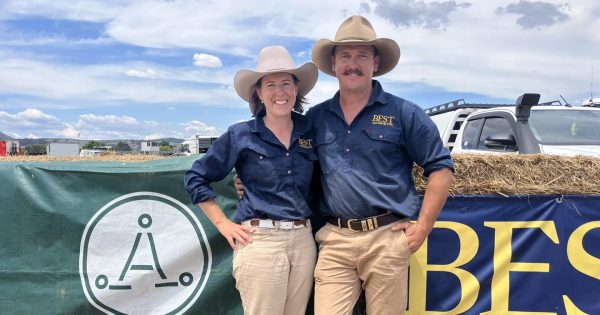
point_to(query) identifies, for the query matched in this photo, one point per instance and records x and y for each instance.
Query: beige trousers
(375, 260)
(274, 273)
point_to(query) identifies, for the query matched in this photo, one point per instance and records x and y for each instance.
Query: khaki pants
(375, 260)
(274, 273)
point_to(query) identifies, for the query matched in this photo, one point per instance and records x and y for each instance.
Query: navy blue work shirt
(366, 167)
(276, 180)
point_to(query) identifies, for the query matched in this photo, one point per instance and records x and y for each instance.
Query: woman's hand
(231, 231)
(239, 187)
(235, 233)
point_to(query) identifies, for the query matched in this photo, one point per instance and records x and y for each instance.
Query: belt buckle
(286, 225)
(349, 223)
(367, 224)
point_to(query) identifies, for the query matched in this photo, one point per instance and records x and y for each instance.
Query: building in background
(62, 149)
(197, 144)
(150, 146)
(9, 147)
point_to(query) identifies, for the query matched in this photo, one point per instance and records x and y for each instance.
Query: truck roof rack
(460, 103)
(553, 103)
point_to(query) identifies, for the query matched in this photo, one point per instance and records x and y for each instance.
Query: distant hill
(5, 137)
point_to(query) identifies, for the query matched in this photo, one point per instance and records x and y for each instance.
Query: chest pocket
(328, 151)
(390, 135)
(381, 151)
(259, 164)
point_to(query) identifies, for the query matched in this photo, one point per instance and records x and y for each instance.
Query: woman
(273, 154)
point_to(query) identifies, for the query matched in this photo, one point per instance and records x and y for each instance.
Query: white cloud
(195, 127)
(70, 132)
(36, 115)
(32, 122)
(29, 117)
(232, 27)
(208, 61)
(146, 74)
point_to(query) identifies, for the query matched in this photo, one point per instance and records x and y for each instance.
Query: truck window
(494, 126)
(470, 137)
(566, 127)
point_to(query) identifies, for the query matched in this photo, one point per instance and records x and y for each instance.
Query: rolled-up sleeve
(213, 166)
(424, 143)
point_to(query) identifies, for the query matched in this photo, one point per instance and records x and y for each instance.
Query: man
(367, 141)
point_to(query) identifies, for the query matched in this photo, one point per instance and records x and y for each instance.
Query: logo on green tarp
(144, 253)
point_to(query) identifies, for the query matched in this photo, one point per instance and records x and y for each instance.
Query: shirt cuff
(202, 194)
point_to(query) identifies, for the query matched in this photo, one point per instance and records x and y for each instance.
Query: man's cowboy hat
(356, 30)
(275, 59)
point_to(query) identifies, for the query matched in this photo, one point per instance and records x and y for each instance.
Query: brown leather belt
(365, 224)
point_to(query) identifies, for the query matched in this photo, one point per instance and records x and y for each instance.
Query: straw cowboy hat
(275, 59)
(356, 30)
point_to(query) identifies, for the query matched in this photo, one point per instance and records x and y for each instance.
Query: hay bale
(476, 174)
(511, 174)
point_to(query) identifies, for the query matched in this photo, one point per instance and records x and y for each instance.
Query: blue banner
(515, 255)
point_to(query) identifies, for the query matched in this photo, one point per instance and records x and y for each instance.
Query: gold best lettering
(305, 143)
(383, 120)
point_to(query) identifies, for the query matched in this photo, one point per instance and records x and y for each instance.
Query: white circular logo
(144, 253)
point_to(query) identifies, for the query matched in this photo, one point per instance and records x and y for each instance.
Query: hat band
(274, 70)
(348, 39)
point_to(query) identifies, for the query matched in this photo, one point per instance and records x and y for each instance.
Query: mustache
(353, 71)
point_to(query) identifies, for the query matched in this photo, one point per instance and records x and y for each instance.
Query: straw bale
(475, 174)
(511, 174)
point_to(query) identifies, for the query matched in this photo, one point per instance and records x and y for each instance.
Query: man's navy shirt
(366, 167)
(276, 179)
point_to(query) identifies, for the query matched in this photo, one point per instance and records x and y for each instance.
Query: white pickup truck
(527, 127)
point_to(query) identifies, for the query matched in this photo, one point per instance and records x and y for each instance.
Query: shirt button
(260, 157)
(289, 172)
(347, 150)
(380, 136)
(287, 153)
(348, 131)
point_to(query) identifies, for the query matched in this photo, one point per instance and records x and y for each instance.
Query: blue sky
(112, 69)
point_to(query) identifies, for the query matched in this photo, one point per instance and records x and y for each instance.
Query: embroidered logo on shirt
(305, 143)
(383, 120)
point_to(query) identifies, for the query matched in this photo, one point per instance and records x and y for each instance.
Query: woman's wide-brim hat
(357, 30)
(275, 59)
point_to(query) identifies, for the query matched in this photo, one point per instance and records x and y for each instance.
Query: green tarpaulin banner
(112, 237)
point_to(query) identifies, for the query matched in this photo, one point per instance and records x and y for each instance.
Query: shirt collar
(377, 96)
(300, 123)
